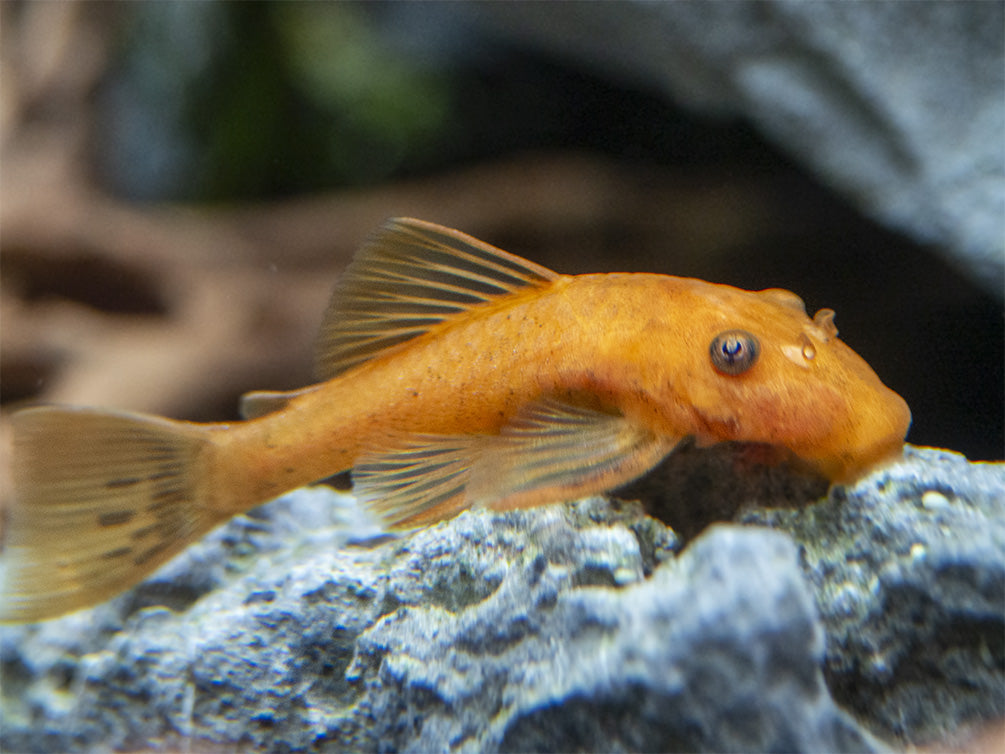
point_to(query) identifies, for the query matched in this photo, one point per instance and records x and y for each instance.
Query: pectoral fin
(557, 451)
(551, 451)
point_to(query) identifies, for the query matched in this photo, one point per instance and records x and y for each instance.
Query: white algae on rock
(578, 627)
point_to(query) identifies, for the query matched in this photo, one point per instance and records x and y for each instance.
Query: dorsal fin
(409, 276)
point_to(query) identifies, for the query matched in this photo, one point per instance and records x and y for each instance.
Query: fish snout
(874, 436)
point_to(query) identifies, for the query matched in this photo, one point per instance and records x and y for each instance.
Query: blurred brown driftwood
(148, 306)
(176, 309)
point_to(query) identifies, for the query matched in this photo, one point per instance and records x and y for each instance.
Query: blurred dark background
(182, 182)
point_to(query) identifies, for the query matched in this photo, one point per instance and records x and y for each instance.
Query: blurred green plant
(221, 101)
(388, 111)
(234, 101)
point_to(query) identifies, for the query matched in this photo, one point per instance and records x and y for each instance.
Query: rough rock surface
(570, 627)
(908, 568)
(899, 105)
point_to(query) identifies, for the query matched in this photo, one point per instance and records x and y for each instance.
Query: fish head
(760, 370)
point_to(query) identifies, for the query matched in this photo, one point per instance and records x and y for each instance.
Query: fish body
(456, 375)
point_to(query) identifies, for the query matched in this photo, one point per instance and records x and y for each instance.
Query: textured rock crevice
(571, 627)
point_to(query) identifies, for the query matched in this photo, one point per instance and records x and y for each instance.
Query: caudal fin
(100, 500)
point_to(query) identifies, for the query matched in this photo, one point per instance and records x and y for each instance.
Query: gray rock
(528, 630)
(908, 568)
(570, 627)
(255, 653)
(661, 666)
(899, 105)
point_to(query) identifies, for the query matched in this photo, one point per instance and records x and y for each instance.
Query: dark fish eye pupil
(734, 351)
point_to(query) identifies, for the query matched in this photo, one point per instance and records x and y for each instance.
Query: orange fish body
(457, 375)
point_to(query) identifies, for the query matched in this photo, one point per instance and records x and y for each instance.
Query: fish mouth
(848, 470)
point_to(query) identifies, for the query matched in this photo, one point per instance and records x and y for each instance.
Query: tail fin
(100, 500)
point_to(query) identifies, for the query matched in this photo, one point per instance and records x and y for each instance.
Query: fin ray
(410, 276)
(554, 450)
(416, 480)
(550, 451)
(100, 500)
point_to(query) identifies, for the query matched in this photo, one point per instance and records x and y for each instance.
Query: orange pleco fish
(456, 375)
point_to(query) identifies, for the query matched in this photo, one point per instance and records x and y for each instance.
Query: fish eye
(734, 351)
